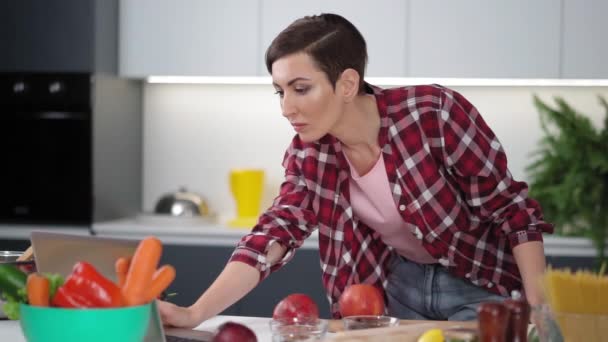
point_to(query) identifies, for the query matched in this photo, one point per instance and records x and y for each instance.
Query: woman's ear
(348, 84)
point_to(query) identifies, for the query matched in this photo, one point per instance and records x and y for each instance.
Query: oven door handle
(47, 115)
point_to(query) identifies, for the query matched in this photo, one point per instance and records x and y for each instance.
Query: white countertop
(11, 331)
(181, 230)
(13, 231)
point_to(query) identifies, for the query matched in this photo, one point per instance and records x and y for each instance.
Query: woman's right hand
(176, 316)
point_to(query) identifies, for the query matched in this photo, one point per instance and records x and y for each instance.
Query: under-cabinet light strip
(397, 81)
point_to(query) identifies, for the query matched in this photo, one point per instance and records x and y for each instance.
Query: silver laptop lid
(57, 252)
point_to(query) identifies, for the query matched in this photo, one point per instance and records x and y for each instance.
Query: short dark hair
(333, 42)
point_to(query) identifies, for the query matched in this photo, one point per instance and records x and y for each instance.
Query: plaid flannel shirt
(449, 178)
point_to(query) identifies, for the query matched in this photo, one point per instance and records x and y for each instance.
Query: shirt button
(490, 285)
(468, 275)
(402, 207)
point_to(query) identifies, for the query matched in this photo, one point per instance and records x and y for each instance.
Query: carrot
(38, 289)
(122, 267)
(142, 268)
(162, 279)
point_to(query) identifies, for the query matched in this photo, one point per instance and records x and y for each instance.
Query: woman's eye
(301, 90)
(279, 92)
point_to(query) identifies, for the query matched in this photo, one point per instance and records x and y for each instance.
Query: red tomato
(298, 306)
(361, 299)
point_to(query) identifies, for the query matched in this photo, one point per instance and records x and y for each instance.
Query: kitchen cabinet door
(58, 36)
(382, 24)
(188, 37)
(477, 38)
(301, 275)
(585, 51)
(14, 244)
(198, 266)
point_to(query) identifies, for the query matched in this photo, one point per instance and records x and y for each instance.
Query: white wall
(194, 134)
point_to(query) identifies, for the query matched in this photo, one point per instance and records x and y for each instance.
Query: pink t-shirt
(372, 202)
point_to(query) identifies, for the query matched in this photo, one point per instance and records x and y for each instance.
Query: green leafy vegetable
(55, 281)
(11, 309)
(13, 288)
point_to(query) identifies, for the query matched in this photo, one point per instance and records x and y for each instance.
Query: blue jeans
(430, 292)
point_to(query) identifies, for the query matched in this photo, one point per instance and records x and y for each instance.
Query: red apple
(234, 332)
(361, 299)
(298, 306)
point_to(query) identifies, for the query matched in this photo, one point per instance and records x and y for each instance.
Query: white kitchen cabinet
(412, 38)
(585, 52)
(188, 37)
(478, 38)
(382, 23)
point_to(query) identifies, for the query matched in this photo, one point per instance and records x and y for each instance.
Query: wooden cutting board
(408, 330)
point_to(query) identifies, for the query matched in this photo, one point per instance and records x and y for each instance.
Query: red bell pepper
(87, 288)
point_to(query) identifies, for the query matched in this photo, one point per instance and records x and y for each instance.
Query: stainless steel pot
(182, 203)
(10, 257)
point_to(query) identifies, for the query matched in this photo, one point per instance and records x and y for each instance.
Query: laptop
(57, 253)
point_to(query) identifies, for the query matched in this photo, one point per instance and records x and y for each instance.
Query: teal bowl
(49, 324)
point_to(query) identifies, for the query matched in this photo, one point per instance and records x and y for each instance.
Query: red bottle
(517, 330)
(493, 320)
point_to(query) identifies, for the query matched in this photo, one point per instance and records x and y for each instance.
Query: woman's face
(308, 99)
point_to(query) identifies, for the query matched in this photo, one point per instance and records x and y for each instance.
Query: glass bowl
(297, 330)
(368, 322)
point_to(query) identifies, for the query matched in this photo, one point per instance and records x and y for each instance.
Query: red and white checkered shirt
(450, 182)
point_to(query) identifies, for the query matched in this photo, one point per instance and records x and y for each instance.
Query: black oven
(45, 148)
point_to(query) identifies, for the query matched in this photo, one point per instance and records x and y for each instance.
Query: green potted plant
(569, 173)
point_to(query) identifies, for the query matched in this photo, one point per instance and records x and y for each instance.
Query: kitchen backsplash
(195, 134)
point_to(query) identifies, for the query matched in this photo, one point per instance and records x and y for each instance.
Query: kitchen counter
(11, 331)
(180, 230)
(13, 231)
(408, 330)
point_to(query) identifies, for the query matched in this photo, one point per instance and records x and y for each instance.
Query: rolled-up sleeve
(289, 221)
(476, 160)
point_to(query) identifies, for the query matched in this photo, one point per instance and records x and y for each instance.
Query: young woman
(408, 188)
